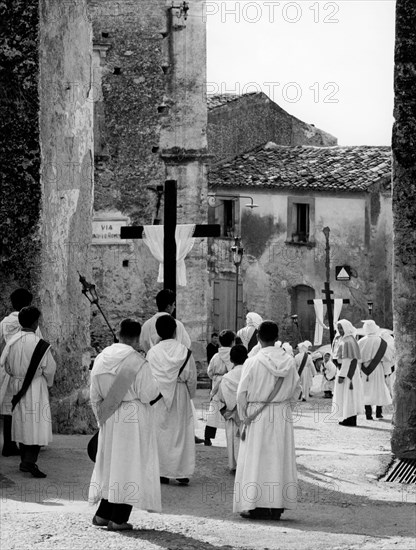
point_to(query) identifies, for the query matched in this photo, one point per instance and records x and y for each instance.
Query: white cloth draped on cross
(153, 237)
(319, 323)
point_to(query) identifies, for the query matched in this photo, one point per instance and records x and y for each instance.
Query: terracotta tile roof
(217, 100)
(351, 168)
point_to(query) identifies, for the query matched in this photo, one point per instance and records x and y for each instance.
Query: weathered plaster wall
(381, 255)
(272, 267)
(132, 86)
(66, 133)
(241, 125)
(404, 216)
(48, 213)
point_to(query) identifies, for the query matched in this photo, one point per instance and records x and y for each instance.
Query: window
(224, 213)
(300, 219)
(228, 219)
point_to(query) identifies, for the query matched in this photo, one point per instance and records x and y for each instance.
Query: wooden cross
(327, 290)
(169, 228)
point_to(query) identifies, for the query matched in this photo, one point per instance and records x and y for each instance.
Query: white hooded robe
(174, 415)
(266, 475)
(227, 394)
(127, 467)
(375, 387)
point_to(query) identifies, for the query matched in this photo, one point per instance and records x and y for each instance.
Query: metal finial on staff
(89, 290)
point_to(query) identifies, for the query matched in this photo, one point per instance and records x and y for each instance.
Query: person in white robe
(126, 471)
(31, 416)
(306, 369)
(348, 400)
(166, 304)
(10, 326)
(227, 395)
(329, 371)
(248, 334)
(174, 416)
(266, 476)
(391, 359)
(375, 356)
(219, 365)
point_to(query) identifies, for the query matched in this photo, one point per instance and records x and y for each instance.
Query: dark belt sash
(253, 341)
(303, 363)
(373, 364)
(351, 371)
(41, 348)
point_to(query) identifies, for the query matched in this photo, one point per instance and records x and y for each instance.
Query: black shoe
(164, 480)
(100, 522)
(198, 440)
(379, 412)
(31, 469)
(257, 513)
(207, 442)
(183, 480)
(275, 513)
(10, 450)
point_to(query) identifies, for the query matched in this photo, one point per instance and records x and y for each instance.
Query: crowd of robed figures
(146, 416)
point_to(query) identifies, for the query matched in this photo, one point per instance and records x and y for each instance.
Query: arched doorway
(306, 315)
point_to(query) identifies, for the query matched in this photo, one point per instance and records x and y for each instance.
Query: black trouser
(118, 513)
(7, 430)
(29, 453)
(210, 432)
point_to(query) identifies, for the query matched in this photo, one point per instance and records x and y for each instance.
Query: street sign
(342, 273)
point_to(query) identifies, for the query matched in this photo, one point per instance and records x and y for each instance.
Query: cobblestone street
(341, 503)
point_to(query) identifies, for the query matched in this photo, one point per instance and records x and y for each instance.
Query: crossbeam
(169, 230)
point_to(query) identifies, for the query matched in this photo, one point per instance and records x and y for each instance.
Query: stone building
(46, 174)
(299, 191)
(153, 123)
(151, 117)
(239, 123)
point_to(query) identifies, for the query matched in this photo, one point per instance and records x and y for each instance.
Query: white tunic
(31, 418)
(219, 365)
(227, 394)
(375, 388)
(329, 374)
(266, 474)
(127, 467)
(348, 401)
(306, 377)
(174, 416)
(149, 336)
(9, 326)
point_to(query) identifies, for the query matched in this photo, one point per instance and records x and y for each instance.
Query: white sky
(285, 48)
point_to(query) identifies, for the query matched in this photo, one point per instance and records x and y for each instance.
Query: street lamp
(238, 252)
(89, 290)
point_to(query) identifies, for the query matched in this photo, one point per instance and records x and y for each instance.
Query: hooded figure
(269, 384)
(174, 416)
(248, 334)
(376, 359)
(348, 391)
(127, 455)
(306, 369)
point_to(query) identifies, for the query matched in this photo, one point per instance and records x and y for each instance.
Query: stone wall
(404, 215)
(46, 216)
(254, 119)
(128, 92)
(272, 267)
